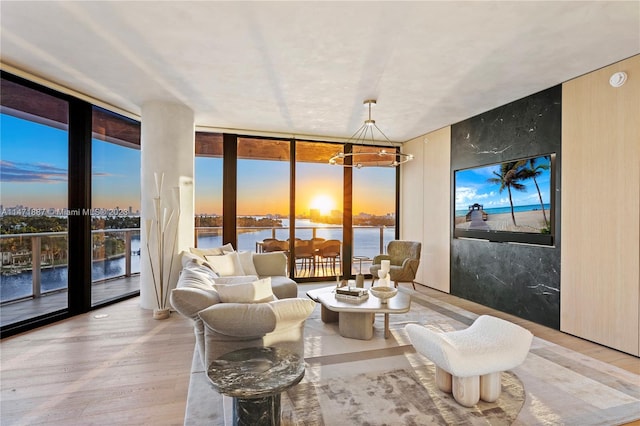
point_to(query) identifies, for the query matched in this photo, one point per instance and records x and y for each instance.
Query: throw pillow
(256, 292)
(226, 265)
(215, 251)
(201, 266)
(236, 280)
(246, 260)
(190, 301)
(192, 278)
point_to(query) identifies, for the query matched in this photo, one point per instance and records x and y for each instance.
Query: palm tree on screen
(532, 171)
(509, 177)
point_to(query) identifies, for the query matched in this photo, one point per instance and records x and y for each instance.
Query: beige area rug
(397, 397)
(384, 381)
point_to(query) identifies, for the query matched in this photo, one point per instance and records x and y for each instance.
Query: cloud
(31, 172)
(466, 196)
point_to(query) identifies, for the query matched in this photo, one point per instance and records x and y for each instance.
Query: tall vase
(158, 233)
(162, 313)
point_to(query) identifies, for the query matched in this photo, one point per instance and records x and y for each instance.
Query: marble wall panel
(519, 279)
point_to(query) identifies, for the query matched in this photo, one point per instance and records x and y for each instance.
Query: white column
(167, 147)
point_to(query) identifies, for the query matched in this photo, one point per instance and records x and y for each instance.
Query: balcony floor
(14, 312)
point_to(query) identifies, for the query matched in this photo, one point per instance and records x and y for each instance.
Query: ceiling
(305, 68)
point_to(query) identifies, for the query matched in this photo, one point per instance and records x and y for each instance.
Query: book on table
(354, 299)
(352, 291)
(352, 294)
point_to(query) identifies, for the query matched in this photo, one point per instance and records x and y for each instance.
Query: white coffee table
(355, 320)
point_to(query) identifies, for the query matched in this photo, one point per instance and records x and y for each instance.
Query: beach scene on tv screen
(511, 196)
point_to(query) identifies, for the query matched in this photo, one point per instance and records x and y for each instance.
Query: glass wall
(208, 190)
(319, 211)
(262, 198)
(115, 202)
(374, 211)
(34, 152)
(263, 182)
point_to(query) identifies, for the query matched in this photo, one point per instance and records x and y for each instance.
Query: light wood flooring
(118, 366)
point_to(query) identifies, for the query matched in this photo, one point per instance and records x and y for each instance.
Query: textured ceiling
(304, 68)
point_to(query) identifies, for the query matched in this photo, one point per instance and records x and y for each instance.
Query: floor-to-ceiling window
(34, 145)
(69, 201)
(319, 189)
(266, 179)
(263, 181)
(208, 190)
(374, 211)
(115, 202)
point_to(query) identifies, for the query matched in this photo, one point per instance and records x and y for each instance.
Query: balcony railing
(25, 257)
(368, 241)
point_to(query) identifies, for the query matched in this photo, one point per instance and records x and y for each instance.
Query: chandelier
(365, 155)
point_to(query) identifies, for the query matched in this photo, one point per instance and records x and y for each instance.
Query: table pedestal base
(328, 315)
(257, 411)
(356, 325)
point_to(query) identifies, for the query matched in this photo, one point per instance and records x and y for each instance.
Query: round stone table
(255, 377)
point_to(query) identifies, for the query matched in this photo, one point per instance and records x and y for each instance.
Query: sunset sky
(35, 164)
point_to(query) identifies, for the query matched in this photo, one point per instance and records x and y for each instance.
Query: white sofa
(235, 311)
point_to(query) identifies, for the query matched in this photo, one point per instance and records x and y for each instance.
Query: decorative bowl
(383, 293)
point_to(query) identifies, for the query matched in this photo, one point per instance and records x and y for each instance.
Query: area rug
(397, 397)
(385, 381)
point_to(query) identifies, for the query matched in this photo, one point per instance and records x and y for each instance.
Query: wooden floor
(117, 365)
(602, 353)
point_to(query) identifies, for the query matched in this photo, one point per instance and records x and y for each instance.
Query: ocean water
(17, 286)
(500, 210)
(366, 243)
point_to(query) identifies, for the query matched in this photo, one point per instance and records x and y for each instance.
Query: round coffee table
(255, 377)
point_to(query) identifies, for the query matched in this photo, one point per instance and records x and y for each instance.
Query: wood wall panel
(411, 198)
(425, 205)
(600, 277)
(436, 244)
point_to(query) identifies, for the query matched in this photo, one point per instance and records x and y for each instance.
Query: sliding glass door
(115, 206)
(34, 151)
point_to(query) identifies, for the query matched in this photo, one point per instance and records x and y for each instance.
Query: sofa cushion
(226, 265)
(270, 264)
(246, 260)
(284, 287)
(190, 301)
(290, 312)
(240, 319)
(255, 292)
(256, 320)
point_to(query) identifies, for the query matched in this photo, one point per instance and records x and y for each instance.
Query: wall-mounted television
(512, 201)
